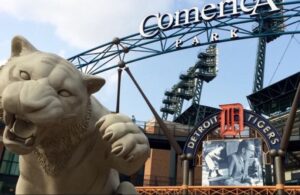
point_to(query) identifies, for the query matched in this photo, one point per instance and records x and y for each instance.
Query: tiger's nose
(34, 96)
(10, 97)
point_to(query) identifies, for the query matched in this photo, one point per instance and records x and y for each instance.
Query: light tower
(190, 85)
(266, 25)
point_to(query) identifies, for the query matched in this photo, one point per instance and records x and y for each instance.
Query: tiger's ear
(20, 46)
(93, 83)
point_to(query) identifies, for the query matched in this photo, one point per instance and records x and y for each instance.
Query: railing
(153, 128)
(155, 180)
(216, 190)
(182, 132)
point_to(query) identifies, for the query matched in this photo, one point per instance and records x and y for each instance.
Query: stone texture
(68, 142)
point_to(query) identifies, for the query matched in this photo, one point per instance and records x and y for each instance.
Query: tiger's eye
(24, 75)
(64, 93)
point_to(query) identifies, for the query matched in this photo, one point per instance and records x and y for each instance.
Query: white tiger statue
(67, 141)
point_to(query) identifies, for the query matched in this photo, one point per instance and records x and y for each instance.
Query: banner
(235, 162)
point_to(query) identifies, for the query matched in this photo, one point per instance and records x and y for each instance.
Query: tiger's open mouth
(18, 131)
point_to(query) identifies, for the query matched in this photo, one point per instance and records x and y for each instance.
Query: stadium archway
(233, 27)
(251, 119)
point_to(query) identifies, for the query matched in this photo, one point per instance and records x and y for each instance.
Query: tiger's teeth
(8, 119)
(29, 141)
(11, 135)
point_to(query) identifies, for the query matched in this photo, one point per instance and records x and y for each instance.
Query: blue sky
(71, 27)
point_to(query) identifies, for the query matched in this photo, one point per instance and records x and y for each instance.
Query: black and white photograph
(236, 162)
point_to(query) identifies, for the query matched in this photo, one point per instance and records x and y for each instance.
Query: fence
(216, 190)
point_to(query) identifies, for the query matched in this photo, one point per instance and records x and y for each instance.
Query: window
(9, 164)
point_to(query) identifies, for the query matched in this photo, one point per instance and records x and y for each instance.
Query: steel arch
(134, 48)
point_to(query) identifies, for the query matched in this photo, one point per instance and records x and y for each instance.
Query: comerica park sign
(207, 13)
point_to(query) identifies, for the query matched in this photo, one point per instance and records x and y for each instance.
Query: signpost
(232, 121)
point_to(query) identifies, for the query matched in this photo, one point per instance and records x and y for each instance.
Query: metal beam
(260, 64)
(134, 48)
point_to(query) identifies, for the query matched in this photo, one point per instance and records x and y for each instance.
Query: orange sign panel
(231, 119)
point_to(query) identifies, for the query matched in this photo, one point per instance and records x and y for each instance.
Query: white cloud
(2, 61)
(107, 95)
(87, 23)
(62, 53)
